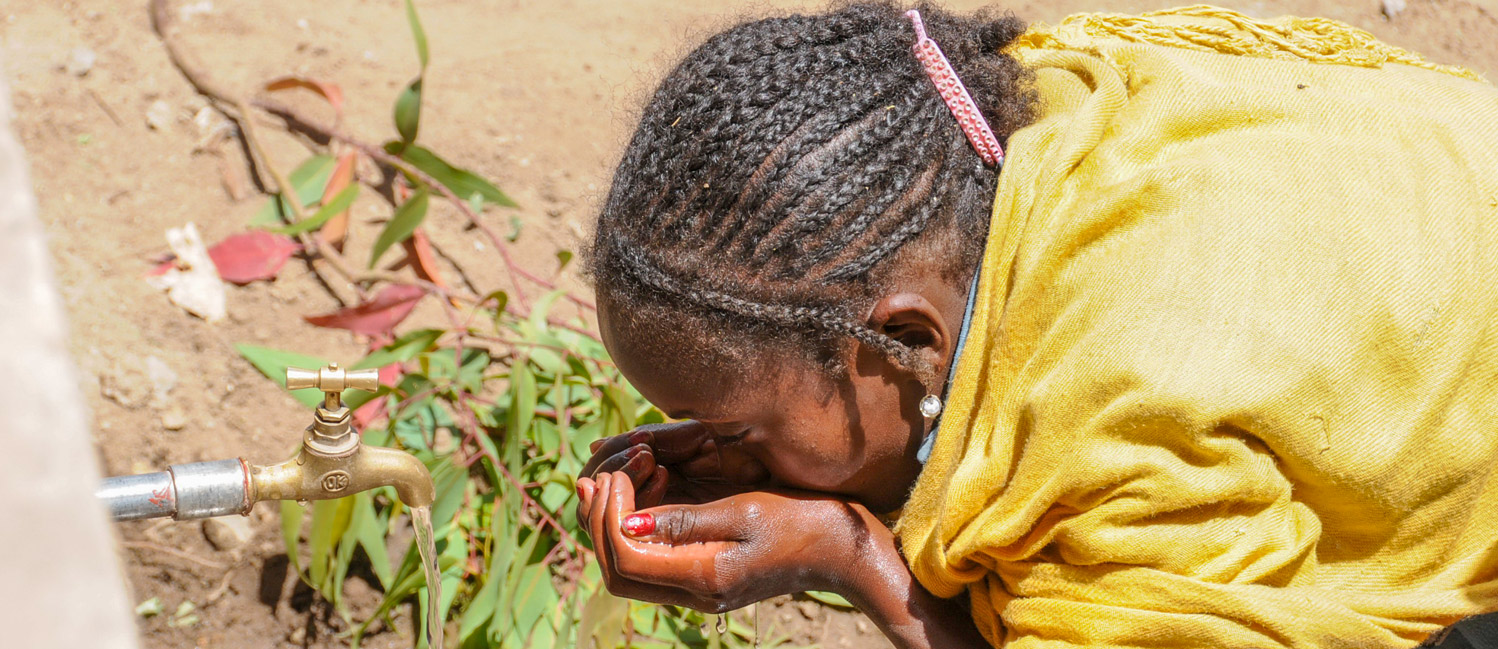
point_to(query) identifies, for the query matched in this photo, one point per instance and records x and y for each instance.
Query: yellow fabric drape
(1232, 377)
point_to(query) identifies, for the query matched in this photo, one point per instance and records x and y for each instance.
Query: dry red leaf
(336, 229)
(252, 256)
(390, 375)
(329, 91)
(378, 316)
(422, 258)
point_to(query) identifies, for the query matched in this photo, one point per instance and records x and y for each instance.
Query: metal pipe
(332, 463)
(133, 497)
(184, 491)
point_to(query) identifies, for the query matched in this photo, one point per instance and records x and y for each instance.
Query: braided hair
(782, 166)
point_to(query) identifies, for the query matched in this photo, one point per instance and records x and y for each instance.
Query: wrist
(868, 561)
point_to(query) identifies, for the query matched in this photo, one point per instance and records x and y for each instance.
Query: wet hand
(727, 553)
(681, 458)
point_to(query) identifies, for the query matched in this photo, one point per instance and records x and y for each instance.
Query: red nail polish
(639, 524)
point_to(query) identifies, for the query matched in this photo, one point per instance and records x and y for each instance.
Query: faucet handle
(332, 379)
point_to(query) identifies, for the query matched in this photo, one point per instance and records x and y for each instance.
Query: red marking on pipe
(161, 498)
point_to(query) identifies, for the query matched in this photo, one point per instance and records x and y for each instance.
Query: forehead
(685, 367)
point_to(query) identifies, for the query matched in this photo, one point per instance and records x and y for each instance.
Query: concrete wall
(60, 581)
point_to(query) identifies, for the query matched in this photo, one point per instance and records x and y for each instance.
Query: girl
(1207, 359)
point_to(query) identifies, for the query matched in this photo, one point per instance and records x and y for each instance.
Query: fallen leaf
(423, 259)
(252, 256)
(191, 282)
(336, 229)
(377, 316)
(390, 375)
(329, 91)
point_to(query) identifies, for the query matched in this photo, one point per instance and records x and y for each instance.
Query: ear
(914, 322)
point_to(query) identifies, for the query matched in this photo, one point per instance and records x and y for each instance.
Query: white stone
(80, 61)
(228, 532)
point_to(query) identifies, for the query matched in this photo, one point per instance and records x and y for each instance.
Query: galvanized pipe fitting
(183, 491)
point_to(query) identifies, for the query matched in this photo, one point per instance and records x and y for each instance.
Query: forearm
(909, 615)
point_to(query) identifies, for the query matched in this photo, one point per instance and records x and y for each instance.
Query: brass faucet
(332, 463)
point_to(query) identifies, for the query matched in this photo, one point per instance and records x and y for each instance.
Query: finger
(640, 468)
(637, 436)
(586, 489)
(654, 490)
(716, 522)
(608, 447)
(594, 520)
(692, 566)
(617, 461)
(677, 441)
(618, 584)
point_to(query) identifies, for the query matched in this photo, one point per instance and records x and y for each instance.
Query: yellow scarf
(1232, 377)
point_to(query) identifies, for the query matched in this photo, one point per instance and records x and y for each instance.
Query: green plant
(501, 404)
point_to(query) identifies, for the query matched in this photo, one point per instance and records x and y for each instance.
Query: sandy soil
(537, 95)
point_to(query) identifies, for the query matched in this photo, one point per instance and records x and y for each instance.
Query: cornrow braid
(783, 164)
(827, 320)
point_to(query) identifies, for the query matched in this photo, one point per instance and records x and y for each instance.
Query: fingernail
(639, 438)
(633, 451)
(639, 524)
(594, 446)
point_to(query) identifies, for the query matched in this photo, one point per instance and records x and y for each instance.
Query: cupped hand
(679, 462)
(727, 553)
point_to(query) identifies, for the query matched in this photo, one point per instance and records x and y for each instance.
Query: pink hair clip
(954, 93)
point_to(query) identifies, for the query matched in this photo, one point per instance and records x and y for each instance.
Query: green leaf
(273, 363)
(515, 225)
(370, 530)
(563, 258)
(464, 183)
(401, 349)
(320, 540)
(542, 309)
(501, 300)
(291, 530)
(407, 218)
(417, 33)
(830, 599)
(337, 205)
(522, 402)
(308, 180)
(150, 608)
(451, 484)
(408, 111)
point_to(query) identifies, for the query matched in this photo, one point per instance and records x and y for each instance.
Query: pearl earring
(930, 406)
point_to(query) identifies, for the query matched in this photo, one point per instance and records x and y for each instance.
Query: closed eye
(732, 439)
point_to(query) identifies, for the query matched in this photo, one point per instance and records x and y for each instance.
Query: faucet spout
(332, 463)
(314, 476)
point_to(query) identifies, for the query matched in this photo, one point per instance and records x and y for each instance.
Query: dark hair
(781, 166)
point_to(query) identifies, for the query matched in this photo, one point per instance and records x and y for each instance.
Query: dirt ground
(539, 96)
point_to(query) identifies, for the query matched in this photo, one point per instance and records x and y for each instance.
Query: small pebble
(174, 418)
(808, 610)
(228, 532)
(80, 61)
(159, 115)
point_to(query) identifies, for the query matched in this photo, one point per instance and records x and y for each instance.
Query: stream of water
(421, 520)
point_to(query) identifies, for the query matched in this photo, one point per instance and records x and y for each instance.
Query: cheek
(834, 445)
